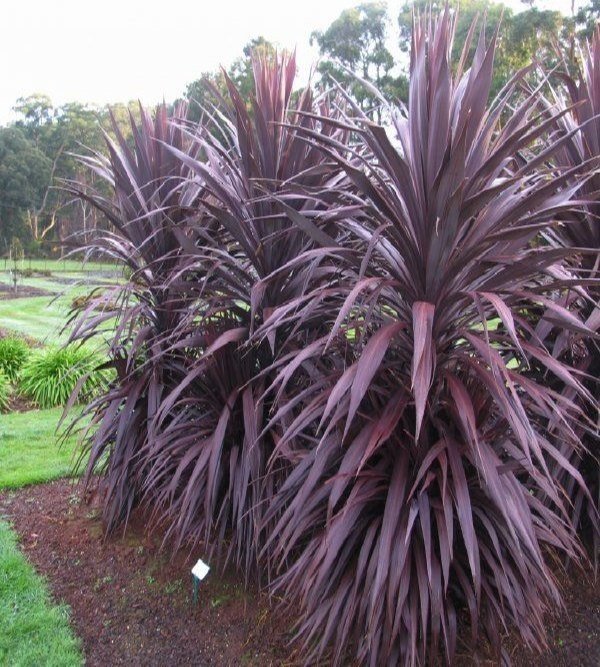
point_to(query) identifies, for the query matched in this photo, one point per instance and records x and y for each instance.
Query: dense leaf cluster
(355, 356)
(13, 355)
(52, 375)
(4, 391)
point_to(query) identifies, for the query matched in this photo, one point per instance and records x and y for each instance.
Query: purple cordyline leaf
(394, 502)
(385, 426)
(368, 365)
(505, 315)
(360, 286)
(303, 223)
(423, 361)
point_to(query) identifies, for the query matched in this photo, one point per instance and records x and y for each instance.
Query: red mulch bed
(132, 605)
(574, 635)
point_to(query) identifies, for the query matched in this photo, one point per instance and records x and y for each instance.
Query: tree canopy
(364, 42)
(356, 43)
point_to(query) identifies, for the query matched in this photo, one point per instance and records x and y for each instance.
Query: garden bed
(7, 333)
(132, 605)
(19, 403)
(23, 291)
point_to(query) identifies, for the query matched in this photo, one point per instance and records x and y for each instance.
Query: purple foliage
(422, 464)
(580, 230)
(336, 351)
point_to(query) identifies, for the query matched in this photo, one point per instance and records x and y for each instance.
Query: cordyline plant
(217, 486)
(182, 428)
(581, 230)
(151, 195)
(414, 502)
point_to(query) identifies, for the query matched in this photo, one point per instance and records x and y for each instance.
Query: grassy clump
(13, 355)
(4, 391)
(51, 375)
(34, 631)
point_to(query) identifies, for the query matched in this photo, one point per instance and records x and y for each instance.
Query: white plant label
(200, 570)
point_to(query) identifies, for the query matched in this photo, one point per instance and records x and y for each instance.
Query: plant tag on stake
(199, 571)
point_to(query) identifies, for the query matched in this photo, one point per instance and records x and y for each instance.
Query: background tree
(77, 127)
(44, 137)
(35, 114)
(356, 41)
(532, 35)
(203, 93)
(24, 177)
(587, 18)
(58, 133)
(525, 36)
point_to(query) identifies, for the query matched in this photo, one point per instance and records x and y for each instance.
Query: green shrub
(35, 273)
(13, 355)
(4, 391)
(51, 375)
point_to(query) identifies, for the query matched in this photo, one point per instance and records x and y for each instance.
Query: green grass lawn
(29, 449)
(41, 317)
(58, 266)
(33, 631)
(58, 283)
(37, 316)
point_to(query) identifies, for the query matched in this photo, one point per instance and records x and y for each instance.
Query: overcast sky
(116, 50)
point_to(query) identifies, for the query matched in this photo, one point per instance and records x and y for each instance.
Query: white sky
(115, 50)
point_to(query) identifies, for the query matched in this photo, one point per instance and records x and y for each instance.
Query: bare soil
(131, 604)
(573, 635)
(18, 403)
(8, 291)
(83, 280)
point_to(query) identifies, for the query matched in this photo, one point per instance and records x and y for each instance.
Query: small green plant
(4, 391)
(173, 587)
(14, 352)
(50, 376)
(218, 601)
(100, 583)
